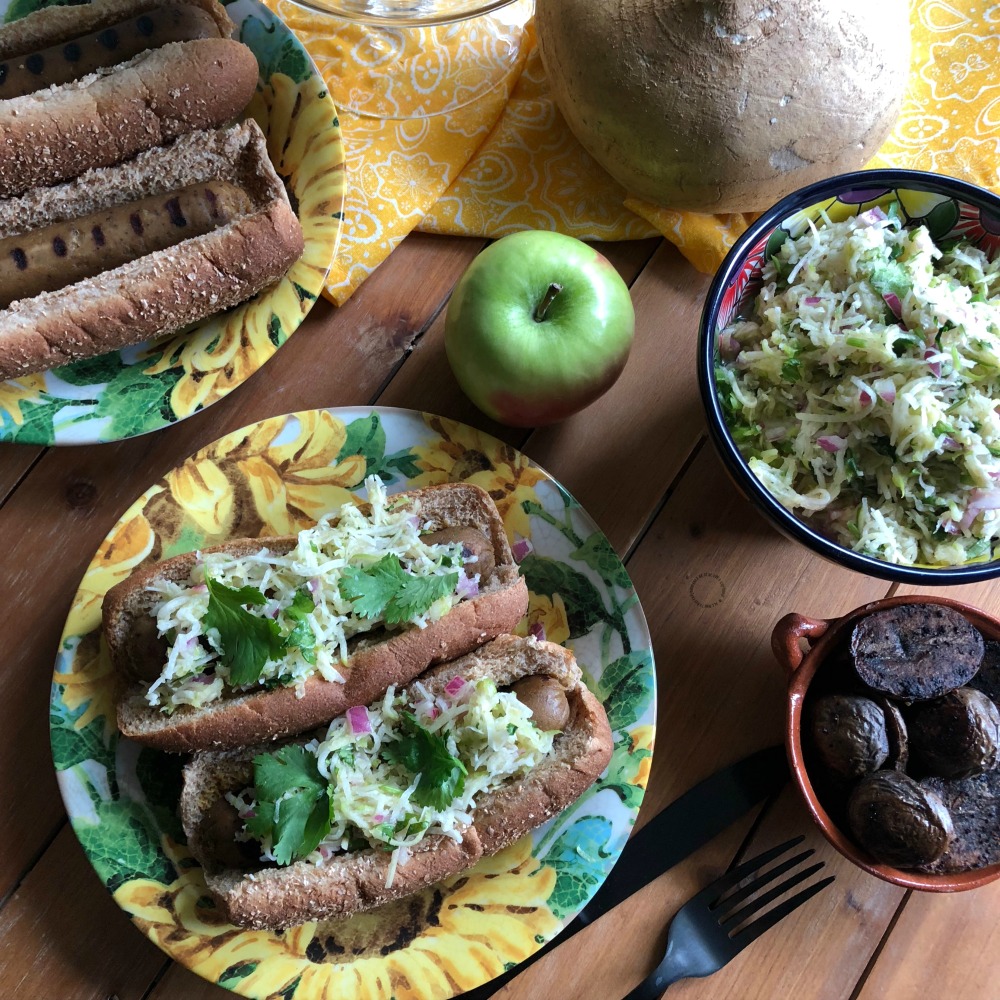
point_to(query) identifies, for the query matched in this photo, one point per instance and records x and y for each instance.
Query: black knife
(675, 832)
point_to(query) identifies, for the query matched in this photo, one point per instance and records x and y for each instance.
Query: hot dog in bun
(92, 85)
(399, 794)
(128, 253)
(265, 637)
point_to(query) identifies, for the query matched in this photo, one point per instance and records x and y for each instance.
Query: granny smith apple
(538, 327)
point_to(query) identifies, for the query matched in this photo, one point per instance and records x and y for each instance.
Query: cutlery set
(711, 928)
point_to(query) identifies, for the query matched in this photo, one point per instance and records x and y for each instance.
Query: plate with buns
(171, 187)
(390, 703)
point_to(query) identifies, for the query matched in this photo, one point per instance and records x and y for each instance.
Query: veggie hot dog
(91, 86)
(264, 637)
(403, 793)
(27, 72)
(49, 258)
(216, 191)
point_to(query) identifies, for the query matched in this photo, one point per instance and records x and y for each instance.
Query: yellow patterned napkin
(491, 162)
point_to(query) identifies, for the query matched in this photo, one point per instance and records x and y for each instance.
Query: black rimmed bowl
(949, 208)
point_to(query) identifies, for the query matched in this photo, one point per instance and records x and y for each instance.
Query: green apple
(538, 327)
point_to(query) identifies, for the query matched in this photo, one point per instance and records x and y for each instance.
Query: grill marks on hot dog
(67, 61)
(58, 255)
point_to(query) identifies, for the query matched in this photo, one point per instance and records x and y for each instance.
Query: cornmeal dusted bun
(272, 897)
(376, 660)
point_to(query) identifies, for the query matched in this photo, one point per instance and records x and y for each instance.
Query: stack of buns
(132, 205)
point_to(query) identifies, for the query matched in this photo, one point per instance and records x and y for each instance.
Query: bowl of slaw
(849, 365)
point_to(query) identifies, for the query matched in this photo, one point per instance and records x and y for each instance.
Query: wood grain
(712, 575)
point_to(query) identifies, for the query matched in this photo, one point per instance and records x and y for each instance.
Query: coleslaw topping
(415, 767)
(241, 623)
(864, 390)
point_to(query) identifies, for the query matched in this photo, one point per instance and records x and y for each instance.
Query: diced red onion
(537, 629)
(467, 586)
(891, 299)
(872, 216)
(326, 851)
(358, 721)
(934, 366)
(886, 390)
(950, 444)
(865, 398)
(203, 679)
(812, 300)
(378, 818)
(521, 548)
(979, 501)
(313, 585)
(832, 442)
(199, 588)
(454, 686)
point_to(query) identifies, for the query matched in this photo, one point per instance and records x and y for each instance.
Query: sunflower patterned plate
(276, 477)
(151, 385)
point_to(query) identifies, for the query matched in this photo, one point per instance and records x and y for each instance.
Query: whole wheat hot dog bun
(158, 292)
(135, 99)
(376, 661)
(275, 898)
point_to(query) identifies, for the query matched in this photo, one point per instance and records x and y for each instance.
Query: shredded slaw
(194, 674)
(864, 390)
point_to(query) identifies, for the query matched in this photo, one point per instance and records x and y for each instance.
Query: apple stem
(547, 299)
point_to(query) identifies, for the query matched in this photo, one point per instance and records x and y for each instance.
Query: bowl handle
(786, 635)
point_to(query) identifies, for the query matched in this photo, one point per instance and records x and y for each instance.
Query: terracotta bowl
(802, 645)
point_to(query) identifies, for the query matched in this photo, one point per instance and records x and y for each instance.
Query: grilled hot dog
(127, 253)
(62, 62)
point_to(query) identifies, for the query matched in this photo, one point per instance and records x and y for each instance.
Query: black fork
(711, 928)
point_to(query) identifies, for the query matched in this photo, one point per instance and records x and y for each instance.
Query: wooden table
(712, 578)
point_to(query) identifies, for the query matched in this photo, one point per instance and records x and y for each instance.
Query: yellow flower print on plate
(275, 477)
(152, 385)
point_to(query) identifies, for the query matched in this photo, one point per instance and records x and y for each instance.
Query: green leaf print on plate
(586, 840)
(598, 554)
(122, 845)
(137, 402)
(276, 52)
(366, 437)
(584, 607)
(623, 771)
(626, 687)
(72, 746)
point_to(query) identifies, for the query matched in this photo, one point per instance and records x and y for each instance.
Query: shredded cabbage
(489, 731)
(194, 673)
(864, 390)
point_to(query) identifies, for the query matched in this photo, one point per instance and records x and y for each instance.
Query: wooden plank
(340, 356)
(52, 946)
(15, 461)
(942, 946)
(713, 579)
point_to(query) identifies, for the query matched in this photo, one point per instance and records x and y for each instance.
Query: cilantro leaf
(370, 590)
(302, 635)
(442, 776)
(386, 589)
(248, 641)
(293, 803)
(416, 595)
